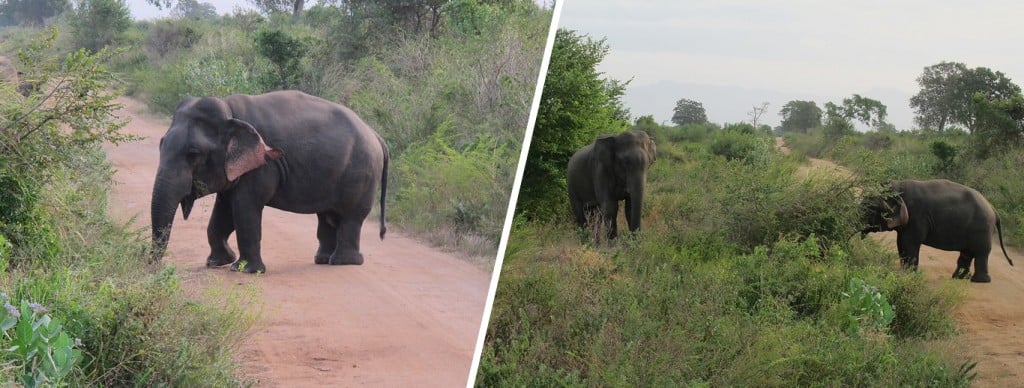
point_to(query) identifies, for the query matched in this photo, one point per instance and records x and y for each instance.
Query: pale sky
(141, 9)
(819, 50)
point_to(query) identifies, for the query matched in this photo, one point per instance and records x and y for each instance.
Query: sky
(141, 9)
(732, 55)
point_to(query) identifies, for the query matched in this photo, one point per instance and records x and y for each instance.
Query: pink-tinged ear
(903, 218)
(246, 150)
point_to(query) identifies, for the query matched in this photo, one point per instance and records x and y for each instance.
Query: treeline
(447, 83)
(744, 274)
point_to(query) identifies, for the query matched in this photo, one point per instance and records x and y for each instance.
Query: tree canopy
(800, 116)
(30, 12)
(576, 106)
(868, 111)
(947, 91)
(689, 112)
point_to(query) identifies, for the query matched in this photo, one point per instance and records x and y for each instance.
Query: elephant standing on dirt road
(284, 149)
(941, 214)
(612, 169)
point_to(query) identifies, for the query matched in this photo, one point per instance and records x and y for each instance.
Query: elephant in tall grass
(612, 169)
(284, 149)
(941, 214)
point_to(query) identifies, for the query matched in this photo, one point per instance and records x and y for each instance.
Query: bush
(136, 325)
(99, 23)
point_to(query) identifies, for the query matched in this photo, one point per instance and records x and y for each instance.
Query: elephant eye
(193, 154)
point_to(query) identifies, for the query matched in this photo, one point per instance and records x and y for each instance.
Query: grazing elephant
(940, 214)
(284, 149)
(611, 169)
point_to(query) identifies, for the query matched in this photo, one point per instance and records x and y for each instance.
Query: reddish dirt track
(991, 319)
(409, 316)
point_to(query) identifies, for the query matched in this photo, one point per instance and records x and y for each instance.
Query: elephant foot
(322, 259)
(350, 258)
(213, 261)
(248, 267)
(981, 278)
(961, 273)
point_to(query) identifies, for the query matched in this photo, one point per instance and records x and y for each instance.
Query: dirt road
(408, 317)
(991, 319)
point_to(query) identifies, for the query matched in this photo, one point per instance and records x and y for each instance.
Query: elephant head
(628, 156)
(204, 151)
(883, 214)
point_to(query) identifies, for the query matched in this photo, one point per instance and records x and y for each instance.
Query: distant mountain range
(731, 104)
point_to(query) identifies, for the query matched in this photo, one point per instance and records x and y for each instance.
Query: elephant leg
(220, 228)
(249, 232)
(327, 234)
(908, 250)
(628, 209)
(610, 212)
(579, 212)
(347, 250)
(981, 268)
(963, 266)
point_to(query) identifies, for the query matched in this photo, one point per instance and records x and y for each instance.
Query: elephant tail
(999, 229)
(383, 187)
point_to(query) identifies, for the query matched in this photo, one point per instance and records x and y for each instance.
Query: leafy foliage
(869, 111)
(39, 348)
(30, 12)
(99, 23)
(285, 52)
(947, 91)
(800, 116)
(689, 112)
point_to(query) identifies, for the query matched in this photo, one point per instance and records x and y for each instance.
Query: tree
(756, 112)
(689, 112)
(576, 106)
(285, 52)
(868, 111)
(30, 12)
(800, 116)
(998, 124)
(947, 91)
(99, 23)
(194, 9)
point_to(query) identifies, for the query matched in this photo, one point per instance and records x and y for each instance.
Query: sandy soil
(408, 317)
(991, 319)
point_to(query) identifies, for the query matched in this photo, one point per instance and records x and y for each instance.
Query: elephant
(611, 169)
(941, 214)
(283, 149)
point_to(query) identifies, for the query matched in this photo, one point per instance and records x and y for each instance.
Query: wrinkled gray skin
(284, 149)
(941, 214)
(612, 169)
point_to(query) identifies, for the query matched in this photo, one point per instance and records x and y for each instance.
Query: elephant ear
(902, 219)
(604, 149)
(246, 150)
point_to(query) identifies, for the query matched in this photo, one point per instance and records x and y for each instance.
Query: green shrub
(35, 345)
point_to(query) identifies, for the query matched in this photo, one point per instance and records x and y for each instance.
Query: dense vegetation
(745, 273)
(447, 84)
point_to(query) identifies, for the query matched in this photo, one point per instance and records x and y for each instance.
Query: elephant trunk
(168, 191)
(636, 202)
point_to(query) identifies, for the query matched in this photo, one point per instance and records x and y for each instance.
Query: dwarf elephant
(941, 214)
(284, 149)
(611, 169)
